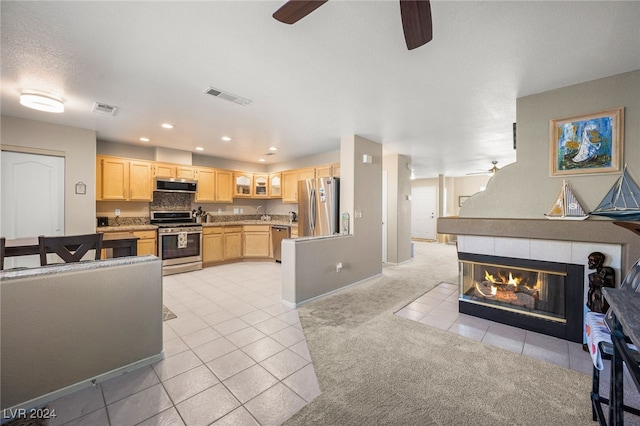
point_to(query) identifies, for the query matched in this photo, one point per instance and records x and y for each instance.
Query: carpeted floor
(375, 368)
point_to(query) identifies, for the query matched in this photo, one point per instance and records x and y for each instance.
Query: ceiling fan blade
(294, 10)
(416, 22)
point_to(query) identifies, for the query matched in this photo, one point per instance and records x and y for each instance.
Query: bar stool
(71, 248)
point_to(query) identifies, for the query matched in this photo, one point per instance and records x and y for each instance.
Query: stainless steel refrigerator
(318, 207)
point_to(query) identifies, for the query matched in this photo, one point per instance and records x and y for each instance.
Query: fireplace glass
(527, 291)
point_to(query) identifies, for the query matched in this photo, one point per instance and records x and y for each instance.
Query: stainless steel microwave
(176, 185)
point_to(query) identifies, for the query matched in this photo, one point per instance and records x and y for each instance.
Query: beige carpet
(378, 369)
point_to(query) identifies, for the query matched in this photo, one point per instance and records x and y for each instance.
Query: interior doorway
(423, 212)
(32, 198)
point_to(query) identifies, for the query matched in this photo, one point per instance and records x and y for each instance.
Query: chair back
(2, 244)
(71, 248)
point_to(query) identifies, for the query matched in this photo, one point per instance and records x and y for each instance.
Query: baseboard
(9, 413)
(364, 281)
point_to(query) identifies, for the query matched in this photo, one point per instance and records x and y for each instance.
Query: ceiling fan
(491, 171)
(416, 18)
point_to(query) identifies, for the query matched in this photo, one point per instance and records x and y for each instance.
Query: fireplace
(541, 296)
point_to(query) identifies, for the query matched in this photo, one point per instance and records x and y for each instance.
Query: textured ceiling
(342, 70)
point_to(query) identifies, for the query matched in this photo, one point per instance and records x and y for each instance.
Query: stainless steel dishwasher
(279, 233)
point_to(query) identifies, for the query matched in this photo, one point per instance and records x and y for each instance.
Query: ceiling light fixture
(199, 148)
(226, 138)
(273, 148)
(41, 102)
(262, 160)
(167, 126)
(145, 139)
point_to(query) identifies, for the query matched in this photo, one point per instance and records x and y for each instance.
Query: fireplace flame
(503, 280)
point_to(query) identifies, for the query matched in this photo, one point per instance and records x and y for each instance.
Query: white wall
(78, 146)
(524, 189)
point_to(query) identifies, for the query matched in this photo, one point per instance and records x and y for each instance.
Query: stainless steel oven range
(179, 241)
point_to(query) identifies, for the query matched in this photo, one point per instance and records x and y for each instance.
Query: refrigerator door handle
(312, 211)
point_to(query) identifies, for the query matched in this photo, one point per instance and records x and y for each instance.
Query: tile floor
(235, 355)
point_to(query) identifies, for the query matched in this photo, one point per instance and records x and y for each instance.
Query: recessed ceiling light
(167, 125)
(262, 160)
(273, 148)
(199, 148)
(145, 139)
(41, 102)
(226, 138)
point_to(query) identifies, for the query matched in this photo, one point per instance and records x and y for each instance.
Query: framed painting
(587, 144)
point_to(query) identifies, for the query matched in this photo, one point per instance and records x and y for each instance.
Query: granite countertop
(56, 268)
(120, 228)
(251, 222)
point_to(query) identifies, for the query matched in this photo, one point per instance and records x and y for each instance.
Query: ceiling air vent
(227, 96)
(103, 108)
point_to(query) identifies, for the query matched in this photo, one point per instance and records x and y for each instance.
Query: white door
(32, 199)
(423, 212)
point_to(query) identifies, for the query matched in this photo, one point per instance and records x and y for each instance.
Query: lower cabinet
(228, 243)
(256, 241)
(294, 232)
(147, 244)
(212, 245)
(232, 242)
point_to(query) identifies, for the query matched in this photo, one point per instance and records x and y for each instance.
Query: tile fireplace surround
(564, 242)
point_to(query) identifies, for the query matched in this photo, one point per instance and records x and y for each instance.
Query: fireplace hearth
(545, 297)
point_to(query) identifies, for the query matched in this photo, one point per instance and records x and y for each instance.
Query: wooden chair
(2, 243)
(70, 248)
(631, 280)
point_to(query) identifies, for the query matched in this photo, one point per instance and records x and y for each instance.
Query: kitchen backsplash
(213, 218)
(170, 201)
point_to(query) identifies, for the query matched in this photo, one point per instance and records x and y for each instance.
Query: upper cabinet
(168, 170)
(260, 186)
(242, 182)
(290, 180)
(275, 185)
(328, 170)
(122, 179)
(206, 184)
(224, 186)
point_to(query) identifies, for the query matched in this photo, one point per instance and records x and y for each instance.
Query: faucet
(264, 216)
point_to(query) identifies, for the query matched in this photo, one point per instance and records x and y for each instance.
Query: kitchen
(222, 215)
(359, 253)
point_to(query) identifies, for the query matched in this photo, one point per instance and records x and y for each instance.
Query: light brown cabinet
(256, 239)
(328, 170)
(290, 180)
(176, 171)
(260, 186)
(212, 245)
(224, 186)
(206, 185)
(123, 180)
(242, 185)
(232, 242)
(147, 244)
(275, 185)
(164, 170)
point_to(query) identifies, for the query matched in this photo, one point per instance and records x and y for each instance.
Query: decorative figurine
(604, 276)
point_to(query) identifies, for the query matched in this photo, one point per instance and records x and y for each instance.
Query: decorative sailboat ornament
(567, 206)
(622, 202)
